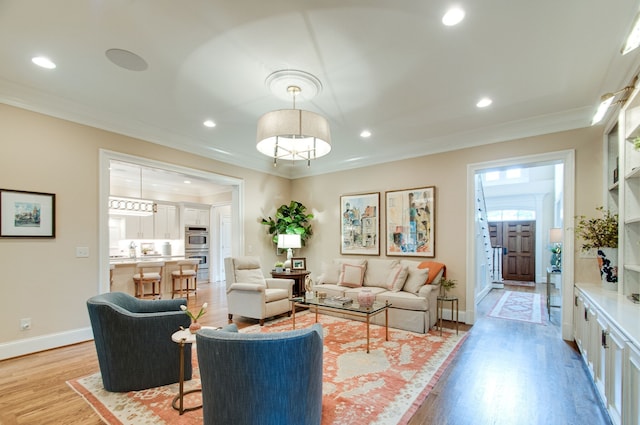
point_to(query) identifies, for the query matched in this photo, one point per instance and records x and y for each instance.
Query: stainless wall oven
(203, 266)
(196, 245)
(196, 237)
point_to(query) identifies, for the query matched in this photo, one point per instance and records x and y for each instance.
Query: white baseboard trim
(44, 342)
(448, 314)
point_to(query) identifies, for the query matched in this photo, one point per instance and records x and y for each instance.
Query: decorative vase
(366, 298)
(608, 264)
(194, 327)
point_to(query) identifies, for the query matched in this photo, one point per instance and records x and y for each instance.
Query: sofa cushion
(397, 278)
(250, 276)
(351, 276)
(415, 280)
(331, 269)
(404, 300)
(378, 271)
(331, 289)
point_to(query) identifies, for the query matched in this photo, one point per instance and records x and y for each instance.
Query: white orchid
(200, 313)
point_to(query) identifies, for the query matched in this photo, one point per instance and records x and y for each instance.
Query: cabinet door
(615, 359)
(166, 224)
(632, 386)
(139, 227)
(196, 216)
(600, 376)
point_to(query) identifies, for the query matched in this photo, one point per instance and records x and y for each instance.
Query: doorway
(518, 242)
(478, 270)
(235, 190)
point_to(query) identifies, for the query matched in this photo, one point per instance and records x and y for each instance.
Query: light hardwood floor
(506, 372)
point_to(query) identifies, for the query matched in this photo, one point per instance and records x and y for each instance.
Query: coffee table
(317, 304)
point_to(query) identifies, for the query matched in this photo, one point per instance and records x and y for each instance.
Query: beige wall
(43, 280)
(448, 172)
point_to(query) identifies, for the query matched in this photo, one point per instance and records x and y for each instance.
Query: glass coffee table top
(354, 307)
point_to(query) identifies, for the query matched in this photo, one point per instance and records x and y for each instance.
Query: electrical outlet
(82, 251)
(25, 324)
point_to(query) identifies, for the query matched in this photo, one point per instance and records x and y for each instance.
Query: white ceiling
(388, 66)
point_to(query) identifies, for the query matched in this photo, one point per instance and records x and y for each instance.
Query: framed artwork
(27, 214)
(298, 264)
(360, 226)
(410, 222)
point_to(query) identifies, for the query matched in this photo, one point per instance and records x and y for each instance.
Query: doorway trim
(566, 157)
(106, 156)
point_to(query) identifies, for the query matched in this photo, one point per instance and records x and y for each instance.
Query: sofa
(411, 287)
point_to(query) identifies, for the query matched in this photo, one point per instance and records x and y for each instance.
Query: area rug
(385, 386)
(522, 306)
(519, 283)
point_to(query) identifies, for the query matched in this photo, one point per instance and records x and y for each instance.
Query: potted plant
(446, 285)
(290, 219)
(279, 266)
(601, 233)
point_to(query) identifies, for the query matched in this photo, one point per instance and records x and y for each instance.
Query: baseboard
(44, 342)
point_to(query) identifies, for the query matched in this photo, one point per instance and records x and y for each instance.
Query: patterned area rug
(385, 386)
(522, 306)
(520, 283)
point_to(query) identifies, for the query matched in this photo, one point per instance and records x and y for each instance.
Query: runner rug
(522, 306)
(385, 386)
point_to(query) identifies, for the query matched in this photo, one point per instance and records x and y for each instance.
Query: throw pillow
(397, 278)
(416, 280)
(351, 276)
(434, 268)
(250, 276)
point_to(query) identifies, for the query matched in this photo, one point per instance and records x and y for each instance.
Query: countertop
(618, 309)
(129, 260)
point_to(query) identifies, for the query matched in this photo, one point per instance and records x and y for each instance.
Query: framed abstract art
(410, 222)
(359, 224)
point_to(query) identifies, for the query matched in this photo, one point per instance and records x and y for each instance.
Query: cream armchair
(249, 294)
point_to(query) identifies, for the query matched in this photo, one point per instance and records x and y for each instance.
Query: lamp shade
(555, 235)
(289, 241)
(293, 134)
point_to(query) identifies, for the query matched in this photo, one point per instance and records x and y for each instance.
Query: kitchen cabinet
(197, 215)
(167, 222)
(609, 364)
(137, 227)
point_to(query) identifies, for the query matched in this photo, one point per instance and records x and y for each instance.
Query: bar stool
(188, 272)
(148, 272)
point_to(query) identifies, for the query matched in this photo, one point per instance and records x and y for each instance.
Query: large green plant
(601, 232)
(290, 219)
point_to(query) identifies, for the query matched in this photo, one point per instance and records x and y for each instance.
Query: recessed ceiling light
(365, 134)
(43, 62)
(484, 102)
(187, 182)
(453, 16)
(209, 123)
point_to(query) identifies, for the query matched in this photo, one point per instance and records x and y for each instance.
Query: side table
(297, 275)
(440, 307)
(551, 272)
(183, 337)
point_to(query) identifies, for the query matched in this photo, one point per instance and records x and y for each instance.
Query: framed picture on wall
(27, 214)
(359, 224)
(410, 222)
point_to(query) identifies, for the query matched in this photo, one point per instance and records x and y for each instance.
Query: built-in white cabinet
(137, 227)
(167, 222)
(612, 359)
(196, 215)
(632, 387)
(629, 201)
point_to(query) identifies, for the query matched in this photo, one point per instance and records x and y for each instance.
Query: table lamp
(555, 239)
(289, 242)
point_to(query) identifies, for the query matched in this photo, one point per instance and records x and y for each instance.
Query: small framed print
(27, 214)
(298, 264)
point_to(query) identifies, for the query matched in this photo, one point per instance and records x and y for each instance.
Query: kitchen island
(125, 268)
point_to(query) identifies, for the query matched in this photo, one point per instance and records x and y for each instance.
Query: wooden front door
(518, 238)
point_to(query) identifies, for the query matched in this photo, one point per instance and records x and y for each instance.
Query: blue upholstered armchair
(261, 379)
(133, 341)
